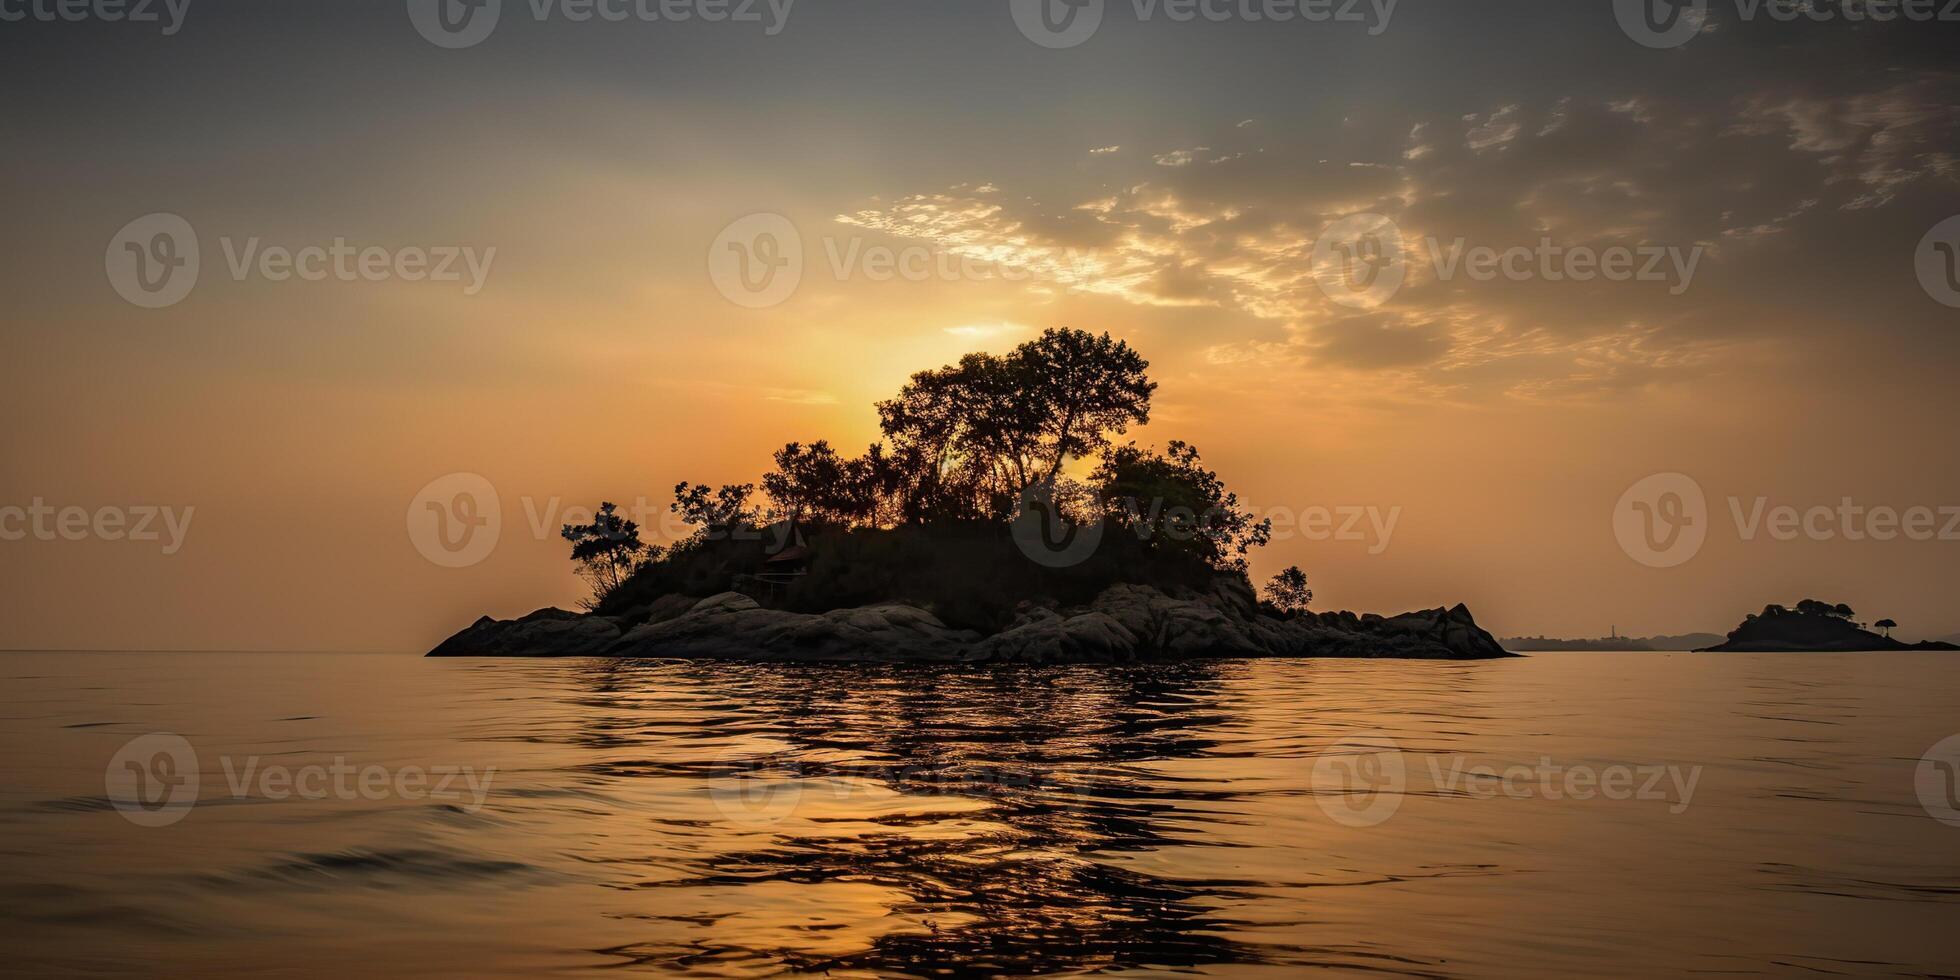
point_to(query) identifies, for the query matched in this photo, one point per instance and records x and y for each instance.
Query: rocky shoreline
(1125, 623)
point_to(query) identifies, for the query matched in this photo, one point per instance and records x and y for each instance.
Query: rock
(664, 608)
(545, 633)
(1166, 625)
(1087, 638)
(1125, 622)
(732, 626)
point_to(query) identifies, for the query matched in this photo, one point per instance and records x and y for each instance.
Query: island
(1814, 626)
(1614, 643)
(964, 536)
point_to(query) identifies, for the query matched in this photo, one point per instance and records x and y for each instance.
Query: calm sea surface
(1741, 814)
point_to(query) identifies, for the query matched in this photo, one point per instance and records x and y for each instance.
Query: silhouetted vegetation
(1813, 607)
(1288, 590)
(1174, 502)
(607, 551)
(925, 515)
(1814, 625)
(1807, 607)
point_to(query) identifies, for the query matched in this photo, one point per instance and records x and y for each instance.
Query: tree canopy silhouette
(607, 551)
(972, 436)
(929, 510)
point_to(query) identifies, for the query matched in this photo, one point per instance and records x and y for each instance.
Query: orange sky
(1499, 421)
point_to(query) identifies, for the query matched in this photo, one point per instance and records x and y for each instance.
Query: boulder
(547, 632)
(1180, 626)
(1125, 622)
(1052, 638)
(732, 626)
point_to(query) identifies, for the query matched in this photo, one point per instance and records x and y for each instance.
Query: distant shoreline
(1613, 644)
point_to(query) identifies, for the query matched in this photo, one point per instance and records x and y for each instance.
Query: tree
(987, 428)
(608, 551)
(814, 483)
(950, 431)
(1813, 607)
(1887, 625)
(1288, 590)
(1172, 502)
(1082, 388)
(717, 512)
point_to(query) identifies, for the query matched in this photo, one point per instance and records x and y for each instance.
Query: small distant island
(958, 538)
(1814, 626)
(1614, 643)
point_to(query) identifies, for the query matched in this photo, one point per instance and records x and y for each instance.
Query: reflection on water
(1044, 751)
(728, 820)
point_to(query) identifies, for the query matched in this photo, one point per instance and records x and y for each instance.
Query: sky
(557, 236)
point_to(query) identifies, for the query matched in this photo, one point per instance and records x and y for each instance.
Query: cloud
(1761, 188)
(988, 331)
(1181, 158)
(1378, 340)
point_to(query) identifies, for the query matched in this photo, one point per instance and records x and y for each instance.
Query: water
(1205, 818)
